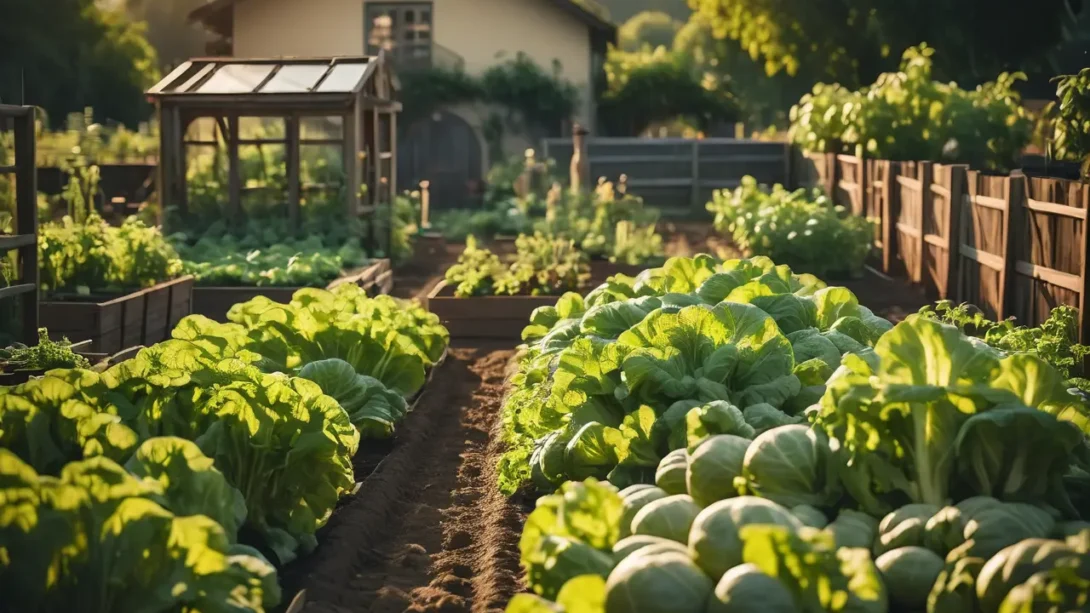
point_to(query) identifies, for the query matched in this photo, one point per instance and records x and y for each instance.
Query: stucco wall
(482, 32)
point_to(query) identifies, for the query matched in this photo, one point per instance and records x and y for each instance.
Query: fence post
(891, 207)
(927, 205)
(1012, 225)
(958, 174)
(580, 169)
(425, 205)
(694, 195)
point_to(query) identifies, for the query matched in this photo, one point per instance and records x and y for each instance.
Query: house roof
(217, 16)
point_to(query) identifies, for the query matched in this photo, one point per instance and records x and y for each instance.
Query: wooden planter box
(484, 317)
(143, 317)
(214, 302)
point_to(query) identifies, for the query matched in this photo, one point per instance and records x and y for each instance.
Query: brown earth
(428, 530)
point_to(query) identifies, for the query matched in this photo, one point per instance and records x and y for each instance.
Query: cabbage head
(636, 497)
(909, 574)
(790, 465)
(657, 582)
(714, 540)
(670, 476)
(669, 518)
(713, 466)
(745, 588)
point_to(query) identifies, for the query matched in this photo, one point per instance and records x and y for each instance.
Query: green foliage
(611, 383)
(907, 115)
(100, 539)
(798, 228)
(850, 40)
(1070, 133)
(46, 355)
(1055, 341)
(85, 140)
(541, 266)
(652, 28)
(541, 98)
(66, 55)
(94, 257)
(650, 86)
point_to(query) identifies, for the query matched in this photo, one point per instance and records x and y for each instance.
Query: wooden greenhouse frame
(360, 92)
(24, 240)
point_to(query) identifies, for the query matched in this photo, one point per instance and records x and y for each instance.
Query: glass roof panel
(343, 78)
(236, 79)
(295, 79)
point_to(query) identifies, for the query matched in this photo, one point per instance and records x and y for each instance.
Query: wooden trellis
(24, 241)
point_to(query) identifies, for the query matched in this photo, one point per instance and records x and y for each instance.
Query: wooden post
(927, 205)
(1012, 229)
(958, 174)
(890, 209)
(26, 210)
(234, 179)
(425, 205)
(291, 128)
(694, 194)
(580, 168)
(1084, 274)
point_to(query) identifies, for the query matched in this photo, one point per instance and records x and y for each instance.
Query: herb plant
(800, 228)
(46, 355)
(542, 266)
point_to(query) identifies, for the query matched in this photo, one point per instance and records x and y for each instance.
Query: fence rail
(679, 175)
(1015, 246)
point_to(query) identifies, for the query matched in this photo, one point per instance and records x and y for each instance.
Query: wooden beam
(234, 179)
(26, 207)
(291, 127)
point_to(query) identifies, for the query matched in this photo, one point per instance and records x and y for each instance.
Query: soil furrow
(427, 531)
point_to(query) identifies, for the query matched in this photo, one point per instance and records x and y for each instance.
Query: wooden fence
(1015, 246)
(679, 175)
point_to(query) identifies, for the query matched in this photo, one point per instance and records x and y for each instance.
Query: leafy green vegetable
(46, 355)
(95, 539)
(373, 408)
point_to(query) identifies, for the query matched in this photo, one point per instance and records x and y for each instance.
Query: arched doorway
(444, 150)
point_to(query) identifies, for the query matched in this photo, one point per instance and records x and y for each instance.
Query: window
(403, 30)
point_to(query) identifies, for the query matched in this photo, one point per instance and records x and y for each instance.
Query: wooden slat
(15, 290)
(848, 186)
(1049, 275)
(940, 190)
(10, 242)
(1055, 209)
(6, 170)
(848, 159)
(909, 230)
(982, 257)
(989, 202)
(910, 183)
(936, 241)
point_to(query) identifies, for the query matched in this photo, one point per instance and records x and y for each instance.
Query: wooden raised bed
(484, 317)
(214, 302)
(142, 317)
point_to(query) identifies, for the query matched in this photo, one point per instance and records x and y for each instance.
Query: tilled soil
(428, 530)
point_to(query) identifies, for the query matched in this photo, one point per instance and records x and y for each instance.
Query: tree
(852, 41)
(65, 55)
(623, 10)
(648, 28)
(650, 87)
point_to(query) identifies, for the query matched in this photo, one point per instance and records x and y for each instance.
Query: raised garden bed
(484, 317)
(214, 302)
(600, 270)
(114, 323)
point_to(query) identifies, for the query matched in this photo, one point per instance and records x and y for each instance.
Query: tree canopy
(648, 28)
(65, 55)
(852, 41)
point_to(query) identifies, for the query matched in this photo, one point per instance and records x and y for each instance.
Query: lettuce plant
(97, 539)
(943, 417)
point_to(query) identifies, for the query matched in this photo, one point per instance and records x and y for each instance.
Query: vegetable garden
(596, 416)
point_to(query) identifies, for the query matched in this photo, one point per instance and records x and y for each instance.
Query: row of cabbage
(167, 482)
(737, 438)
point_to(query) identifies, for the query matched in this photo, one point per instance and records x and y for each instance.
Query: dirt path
(428, 530)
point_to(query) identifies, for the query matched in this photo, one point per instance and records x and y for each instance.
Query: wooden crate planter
(214, 302)
(143, 317)
(484, 317)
